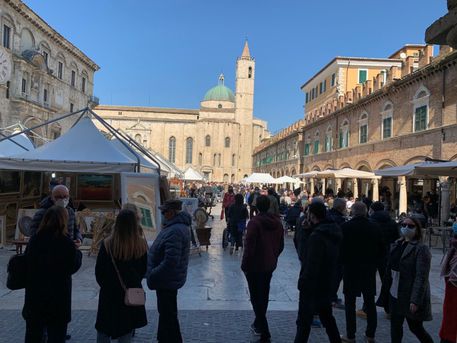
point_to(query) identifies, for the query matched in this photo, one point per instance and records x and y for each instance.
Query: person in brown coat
(264, 244)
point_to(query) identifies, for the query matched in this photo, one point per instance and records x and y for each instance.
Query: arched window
(232, 178)
(200, 159)
(214, 159)
(307, 145)
(421, 108)
(208, 140)
(249, 72)
(227, 142)
(343, 135)
(316, 143)
(328, 140)
(138, 138)
(219, 160)
(387, 121)
(233, 160)
(226, 178)
(189, 149)
(363, 128)
(172, 149)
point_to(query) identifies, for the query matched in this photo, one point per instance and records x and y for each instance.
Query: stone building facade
(281, 154)
(49, 75)
(217, 139)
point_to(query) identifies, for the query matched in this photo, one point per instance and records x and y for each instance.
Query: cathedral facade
(217, 139)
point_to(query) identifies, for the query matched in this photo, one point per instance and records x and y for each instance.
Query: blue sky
(168, 53)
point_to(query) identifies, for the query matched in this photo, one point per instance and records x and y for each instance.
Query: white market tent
(423, 169)
(346, 173)
(307, 175)
(287, 179)
(192, 175)
(144, 161)
(15, 145)
(260, 178)
(83, 148)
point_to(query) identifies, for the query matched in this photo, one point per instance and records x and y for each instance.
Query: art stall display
(95, 187)
(143, 191)
(24, 221)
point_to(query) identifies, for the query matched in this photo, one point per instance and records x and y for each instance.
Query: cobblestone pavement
(214, 304)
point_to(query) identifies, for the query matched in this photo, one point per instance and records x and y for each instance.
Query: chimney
(425, 56)
(349, 97)
(357, 93)
(408, 66)
(393, 74)
(444, 50)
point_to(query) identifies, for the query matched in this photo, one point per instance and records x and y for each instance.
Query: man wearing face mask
(60, 197)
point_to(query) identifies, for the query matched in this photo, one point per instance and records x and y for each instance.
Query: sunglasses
(410, 226)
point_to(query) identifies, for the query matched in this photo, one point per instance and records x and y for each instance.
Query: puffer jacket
(168, 256)
(45, 204)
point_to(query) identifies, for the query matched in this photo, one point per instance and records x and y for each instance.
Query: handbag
(133, 296)
(17, 272)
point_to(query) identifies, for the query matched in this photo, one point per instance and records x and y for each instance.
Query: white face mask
(61, 202)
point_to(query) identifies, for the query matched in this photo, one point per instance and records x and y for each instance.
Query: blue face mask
(454, 228)
(407, 232)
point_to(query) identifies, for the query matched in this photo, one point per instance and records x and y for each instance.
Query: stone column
(323, 186)
(337, 185)
(355, 187)
(311, 186)
(403, 201)
(375, 183)
(445, 204)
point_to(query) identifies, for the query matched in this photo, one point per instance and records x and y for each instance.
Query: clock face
(5, 65)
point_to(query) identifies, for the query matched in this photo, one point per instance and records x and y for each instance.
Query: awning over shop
(287, 179)
(15, 145)
(423, 169)
(260, 178)
(192, 175)
(346, 173)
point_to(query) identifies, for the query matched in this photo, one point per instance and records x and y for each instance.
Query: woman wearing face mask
(407, 279)
(448, 332)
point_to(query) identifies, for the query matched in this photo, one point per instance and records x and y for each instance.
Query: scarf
(449, 269)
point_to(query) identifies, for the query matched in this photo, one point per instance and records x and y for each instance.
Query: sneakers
(369, 339)
(361, 314)
(255, 331)
(347, 340)
(316, 323)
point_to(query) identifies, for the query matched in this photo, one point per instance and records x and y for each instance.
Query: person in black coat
(361, 251)
(127, 248)
(237, 216)
(52, 258)
(318, 256)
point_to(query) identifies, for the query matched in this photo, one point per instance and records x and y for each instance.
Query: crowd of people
(335, 242)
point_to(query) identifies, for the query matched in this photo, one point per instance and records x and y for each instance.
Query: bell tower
(244, 107)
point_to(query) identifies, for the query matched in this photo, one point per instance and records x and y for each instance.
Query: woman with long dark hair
(126, 250)
(237, 216)
(52, 258)
(407, 280)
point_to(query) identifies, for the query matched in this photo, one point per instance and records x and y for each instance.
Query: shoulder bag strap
(115, 268)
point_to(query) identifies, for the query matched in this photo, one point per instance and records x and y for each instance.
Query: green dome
(219, 93)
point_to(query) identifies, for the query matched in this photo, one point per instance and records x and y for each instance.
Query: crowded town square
(170, 208)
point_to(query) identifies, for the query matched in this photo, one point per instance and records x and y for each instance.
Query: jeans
(259, 291)
(169, 330)
(103, 338)
(34, 332)
(372, 317)
(396, 326)
(306, 313)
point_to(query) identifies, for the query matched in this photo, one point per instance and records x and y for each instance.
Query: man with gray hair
(361, 251)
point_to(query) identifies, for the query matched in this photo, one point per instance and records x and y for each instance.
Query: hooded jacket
(168, 256)
(264, 243)
(45, 204)
(319, 258)
(388, 227)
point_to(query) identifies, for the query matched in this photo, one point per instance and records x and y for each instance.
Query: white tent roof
(81, 149)
(192, 175)
(9, 148)
(308, 174)
(346, 173)
(145, 162)
(260, 178)
(287, 179)
(423, 169)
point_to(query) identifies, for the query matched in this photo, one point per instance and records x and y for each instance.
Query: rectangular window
(316, 147)
(60, 71)
(7, 89)
(6, 36)
(343, 139)
(24, 86)
(306, 98)
(363, 75)
(72, 106)
(83, 85)
(324, 86)
(46, 56)
(45, 95)
(387, 128)
(312, 93)
(333, 79)
(320, 88)
(363, 134)
(316, 91)
(306, 149)
(73, 78)
(420, 120)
